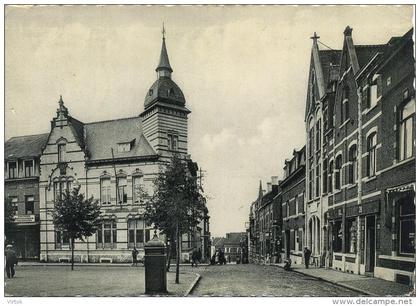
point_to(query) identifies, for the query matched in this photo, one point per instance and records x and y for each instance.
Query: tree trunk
(72, 253)
(177, 255)
(171, 241)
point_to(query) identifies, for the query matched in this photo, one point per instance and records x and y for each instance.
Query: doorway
(370, 243)
(287, 243)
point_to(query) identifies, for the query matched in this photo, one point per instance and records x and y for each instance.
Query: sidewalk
(367, 285)
(95, 264)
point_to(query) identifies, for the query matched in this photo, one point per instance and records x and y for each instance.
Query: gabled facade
(319, 119)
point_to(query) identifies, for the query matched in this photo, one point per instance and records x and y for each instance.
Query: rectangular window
(29, 168)
(12, 170)
(407, 220)
(373, 95)
(14, 203)
(147, 235)
(338, 165)
(172, 142)
(29, 205)
(61, 153)
(106, 191)
(122, 190)
(353, 165)
(317, 178)
(311, 141)
(137, 189)
(107, 232)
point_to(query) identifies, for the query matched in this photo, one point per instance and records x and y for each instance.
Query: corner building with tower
(116, 162)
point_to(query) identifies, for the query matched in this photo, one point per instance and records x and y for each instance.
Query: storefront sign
(25, 219)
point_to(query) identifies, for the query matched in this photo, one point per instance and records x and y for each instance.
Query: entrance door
(370, 243)
(287, 243)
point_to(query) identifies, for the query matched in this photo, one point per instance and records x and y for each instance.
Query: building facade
(292, 195)
(21, 188)
(359, 181)
(115, 162)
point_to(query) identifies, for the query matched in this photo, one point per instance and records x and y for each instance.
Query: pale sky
(243, 71)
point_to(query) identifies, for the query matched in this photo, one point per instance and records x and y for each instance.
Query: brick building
(359, 162)
(21, 188)
(115, 161)
(292, 197)
(264, 221)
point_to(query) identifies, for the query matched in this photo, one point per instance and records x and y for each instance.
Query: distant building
(233, 246)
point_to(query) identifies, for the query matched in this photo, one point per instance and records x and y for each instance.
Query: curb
(193, 285)
(337, 283)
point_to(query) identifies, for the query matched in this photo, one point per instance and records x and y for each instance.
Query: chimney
(274, 180)
(269, 188)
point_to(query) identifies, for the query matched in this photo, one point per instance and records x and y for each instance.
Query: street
(254, 280)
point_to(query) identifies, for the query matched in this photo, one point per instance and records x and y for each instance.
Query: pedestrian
(11, 261)
(307, 256)
(194, 259)
(134, 254)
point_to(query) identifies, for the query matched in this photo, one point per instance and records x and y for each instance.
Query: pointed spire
(260, 191)
(164, 67)
(62, 111)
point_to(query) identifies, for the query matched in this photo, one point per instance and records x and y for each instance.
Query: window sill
(368, 110)
(409, 258)
(350, 186)
(369, 179)
(344, 123)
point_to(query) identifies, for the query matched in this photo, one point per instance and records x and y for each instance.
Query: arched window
(406, 130)
(338, 165)
(353, 164)
(371, 148)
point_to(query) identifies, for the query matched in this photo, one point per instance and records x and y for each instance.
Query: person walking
(134, 253)
(11, 261)
(307, 256)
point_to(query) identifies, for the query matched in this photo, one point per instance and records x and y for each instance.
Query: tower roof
(164, 89)
(164, 59)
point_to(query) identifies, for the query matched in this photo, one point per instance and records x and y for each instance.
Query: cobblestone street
(254, 280)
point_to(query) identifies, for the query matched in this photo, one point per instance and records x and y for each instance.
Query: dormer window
(29, 168)
(125, 146)
(171, 92)
(12, 169)
(150, 92)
